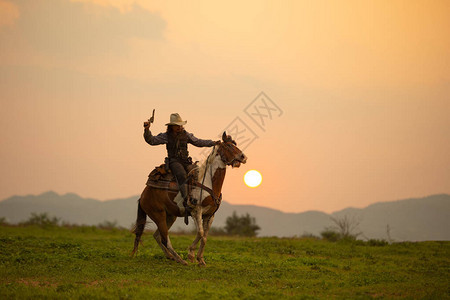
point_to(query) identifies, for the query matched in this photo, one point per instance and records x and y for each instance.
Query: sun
(252, 178)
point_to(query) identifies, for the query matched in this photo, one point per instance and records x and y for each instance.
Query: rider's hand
(147, 124)
(217, 142)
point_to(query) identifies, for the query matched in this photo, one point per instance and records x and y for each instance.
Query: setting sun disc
(252, 178)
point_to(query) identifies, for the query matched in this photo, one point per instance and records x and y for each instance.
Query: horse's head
(230, 154)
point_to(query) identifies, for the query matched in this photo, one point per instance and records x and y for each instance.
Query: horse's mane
(208, 161)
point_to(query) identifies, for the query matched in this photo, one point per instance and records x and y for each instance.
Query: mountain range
(416, 219)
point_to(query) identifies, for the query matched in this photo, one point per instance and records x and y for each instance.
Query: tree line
(344, 228)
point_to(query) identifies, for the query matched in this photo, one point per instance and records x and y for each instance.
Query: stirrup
(187, 210)
(187, 213)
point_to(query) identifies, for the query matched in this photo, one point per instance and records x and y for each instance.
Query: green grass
(90, 263)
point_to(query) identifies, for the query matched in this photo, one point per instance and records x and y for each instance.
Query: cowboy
(176, 139)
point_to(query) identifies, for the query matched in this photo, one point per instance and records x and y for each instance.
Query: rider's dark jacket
(176, 145)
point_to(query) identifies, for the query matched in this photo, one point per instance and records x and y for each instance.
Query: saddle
(162, 178)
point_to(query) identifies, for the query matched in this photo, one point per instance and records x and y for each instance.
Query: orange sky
(362, 87)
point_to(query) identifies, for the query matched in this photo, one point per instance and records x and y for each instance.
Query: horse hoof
(191, 257)
(170, 257)
(201, 262)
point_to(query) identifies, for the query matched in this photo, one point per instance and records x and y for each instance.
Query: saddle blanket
(160, 178)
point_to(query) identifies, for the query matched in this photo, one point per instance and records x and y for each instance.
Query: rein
(202, 186)
(210, 191)
(217, 201)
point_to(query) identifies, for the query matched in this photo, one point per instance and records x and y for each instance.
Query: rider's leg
(180, 174)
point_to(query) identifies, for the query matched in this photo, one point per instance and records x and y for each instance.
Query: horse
(159, 205)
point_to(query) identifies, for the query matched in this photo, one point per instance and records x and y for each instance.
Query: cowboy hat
(175, 119)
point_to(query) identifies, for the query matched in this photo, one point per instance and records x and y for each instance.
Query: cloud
(73, 29)
(9, 13)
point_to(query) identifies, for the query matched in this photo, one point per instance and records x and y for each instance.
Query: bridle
(203, 187)
(233, 159)
(228, 163)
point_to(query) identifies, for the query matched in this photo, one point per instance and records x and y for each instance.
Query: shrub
(3, 221)
(108, 225)
(378, 243)
(241, 225)
(217, 231)
(330, 235)
(308, 235)
(42, 220)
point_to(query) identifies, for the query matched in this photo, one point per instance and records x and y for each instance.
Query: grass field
(87, 262)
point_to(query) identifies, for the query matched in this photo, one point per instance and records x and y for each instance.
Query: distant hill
(411, 219)
(70, 208)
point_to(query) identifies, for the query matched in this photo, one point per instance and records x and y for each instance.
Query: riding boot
(184, 193)
(187, 212)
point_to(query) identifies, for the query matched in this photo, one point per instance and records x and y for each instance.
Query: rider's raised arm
(199, 142)
(155, 140)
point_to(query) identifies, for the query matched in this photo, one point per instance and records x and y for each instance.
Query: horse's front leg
(206, 226)
(192, 248)
(197, 216)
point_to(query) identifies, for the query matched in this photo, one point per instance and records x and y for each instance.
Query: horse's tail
(138, 228)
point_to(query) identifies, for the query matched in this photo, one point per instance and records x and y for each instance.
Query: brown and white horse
(160, 206)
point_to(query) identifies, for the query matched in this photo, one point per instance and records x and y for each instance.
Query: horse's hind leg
(162, 238)
(161, 234)
(139, 227)
(157, 236)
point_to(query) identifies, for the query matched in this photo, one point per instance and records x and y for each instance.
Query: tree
(346, 226)
(344, 229)
(241, 225)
